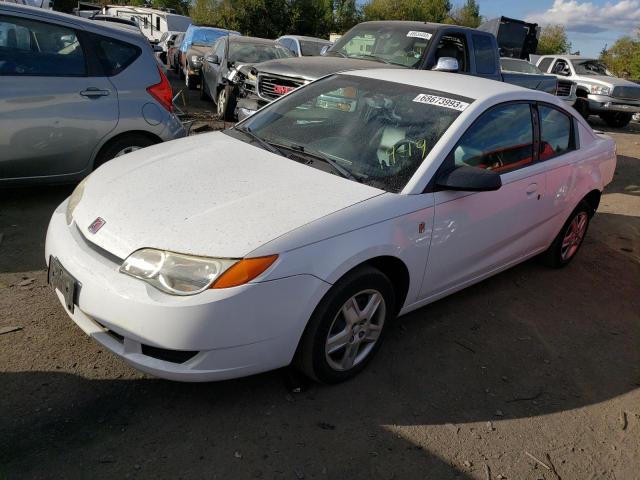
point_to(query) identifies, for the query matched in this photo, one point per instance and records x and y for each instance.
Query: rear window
(115, 55)
(310, 48)
(545, 64)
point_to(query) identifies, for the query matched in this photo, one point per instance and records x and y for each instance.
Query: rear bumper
(218, 334)
(601, 104)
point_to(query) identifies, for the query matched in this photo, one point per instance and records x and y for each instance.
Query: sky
(589, 24)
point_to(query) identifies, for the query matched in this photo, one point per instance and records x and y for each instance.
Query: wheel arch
(582, 92)
(115, 138)
(593, 200)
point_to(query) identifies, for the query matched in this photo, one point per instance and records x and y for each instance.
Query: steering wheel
(408, 151)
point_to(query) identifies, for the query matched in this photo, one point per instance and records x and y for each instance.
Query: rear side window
(31, 48)
(500, 140)
(114, 55)
(485, 54)
(545, 64)
(555, 132)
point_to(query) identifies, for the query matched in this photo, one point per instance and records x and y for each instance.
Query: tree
(345, 15)
(468, 15)
(421, 10)
(623, 58)
(553, 39)
(180, 6)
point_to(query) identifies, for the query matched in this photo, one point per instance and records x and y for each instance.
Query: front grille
(272, 87)
(564, 88)
(173, 356)
(628, 93)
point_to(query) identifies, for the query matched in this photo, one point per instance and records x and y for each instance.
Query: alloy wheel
(355, 330)
(222, 103)
(574, 236)
(126, 150)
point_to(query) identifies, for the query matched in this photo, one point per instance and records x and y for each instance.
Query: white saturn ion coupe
(298, 235)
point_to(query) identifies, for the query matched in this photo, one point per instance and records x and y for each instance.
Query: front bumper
(601, 104)
(249, 105)
(231, 332)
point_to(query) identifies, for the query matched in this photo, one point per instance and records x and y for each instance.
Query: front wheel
(225, 103)
(616, 119)
(347, 327)
(582, 106)
(190, 81)
(566, 245)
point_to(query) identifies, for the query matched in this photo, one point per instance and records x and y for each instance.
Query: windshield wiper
(263, 143)
(324, 158)
(373, 57)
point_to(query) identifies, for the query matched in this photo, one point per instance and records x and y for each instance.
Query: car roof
(239, 39)
(310, 39)
(571, 57)
(416, 25)
(106, 28)
(464, 85)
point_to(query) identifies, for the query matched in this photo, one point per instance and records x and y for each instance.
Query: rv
(152, 22)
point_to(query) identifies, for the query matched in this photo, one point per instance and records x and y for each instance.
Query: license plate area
(63, 281)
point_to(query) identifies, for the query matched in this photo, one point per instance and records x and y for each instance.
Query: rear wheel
(347, 327)
(566, 245)
(616, 119)
(121, 146)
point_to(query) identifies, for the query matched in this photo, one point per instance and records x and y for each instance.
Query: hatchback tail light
(162, 91)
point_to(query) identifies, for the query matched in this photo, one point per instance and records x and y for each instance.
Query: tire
(190, 81)
(351, 352)
(558, 255)
(122, 145)
(616, 119)
(180, 72)
(582, 107)
(226, 104)
(204, 95)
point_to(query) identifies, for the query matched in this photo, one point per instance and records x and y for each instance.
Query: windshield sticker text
(415, 34)
(441, 102)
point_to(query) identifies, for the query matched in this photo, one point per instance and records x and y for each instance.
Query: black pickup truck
(389, 44)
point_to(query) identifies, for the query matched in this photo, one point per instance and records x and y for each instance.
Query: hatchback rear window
(115, 55)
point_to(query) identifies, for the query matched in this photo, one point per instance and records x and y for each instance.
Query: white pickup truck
(614, 99)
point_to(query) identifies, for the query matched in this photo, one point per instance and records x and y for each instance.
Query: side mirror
(324, 49)
(446, 64)
(469, 179)
(213, 59)
(170, 43)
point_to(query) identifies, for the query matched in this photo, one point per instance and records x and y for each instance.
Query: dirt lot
(531, 363)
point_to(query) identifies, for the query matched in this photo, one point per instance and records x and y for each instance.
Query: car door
(214, 70)
(54, 109)
(478, 233)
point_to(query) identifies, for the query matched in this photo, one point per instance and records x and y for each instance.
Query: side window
(545, 63)
(157, 22)
(484, 52)
(219, 51)
(500, 140)
(561, 68)
(555, 132)
(454, 46)
(39, 49)
(114, 55)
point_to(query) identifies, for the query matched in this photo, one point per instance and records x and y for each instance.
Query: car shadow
(455, 375)
(24, 217)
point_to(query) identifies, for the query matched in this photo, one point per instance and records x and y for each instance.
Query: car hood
(608, 81)
(209, 195)
(312, 68)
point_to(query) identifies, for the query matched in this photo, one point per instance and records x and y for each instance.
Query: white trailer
(152, 22)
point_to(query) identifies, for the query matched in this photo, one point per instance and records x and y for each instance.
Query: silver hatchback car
(74, 94)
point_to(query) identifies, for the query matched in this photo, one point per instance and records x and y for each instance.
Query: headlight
(196, 59)
(251, 76)
(74, 200)
(600, 90)
(180, 274)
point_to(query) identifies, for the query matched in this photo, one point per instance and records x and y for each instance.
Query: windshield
(590, 67)
(520, 66)
(389, 43)
(377, 132)
(204, 36)
(256, 52)
(311, 48)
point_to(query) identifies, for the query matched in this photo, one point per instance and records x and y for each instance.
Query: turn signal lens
(244, 271)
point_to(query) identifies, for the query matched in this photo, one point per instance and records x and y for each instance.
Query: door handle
(94, 92)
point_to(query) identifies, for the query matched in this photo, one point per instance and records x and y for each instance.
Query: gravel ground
(532, 374)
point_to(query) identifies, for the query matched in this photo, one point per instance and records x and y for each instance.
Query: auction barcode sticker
(416, 34)
(441, 102)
